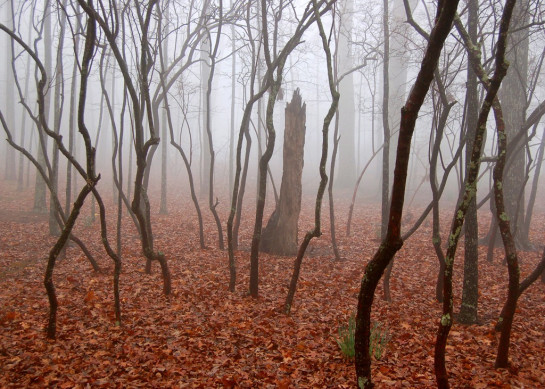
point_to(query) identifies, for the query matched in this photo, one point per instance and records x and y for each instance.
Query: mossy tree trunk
(470, 186)
(470, 290)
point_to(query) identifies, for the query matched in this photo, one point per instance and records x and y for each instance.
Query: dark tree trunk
(386, 151)
(262, 189)
(393, 242)
(525, 284)
(280, 235)
(436, 194)
(508, 313)
(331, 201)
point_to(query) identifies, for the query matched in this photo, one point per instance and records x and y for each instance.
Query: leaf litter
(203, 336)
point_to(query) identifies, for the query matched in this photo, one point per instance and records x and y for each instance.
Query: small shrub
(346, 337)
(378, 339)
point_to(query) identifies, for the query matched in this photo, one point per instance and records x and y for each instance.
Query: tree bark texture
(513, 101)
(280, 235)
(470, 290)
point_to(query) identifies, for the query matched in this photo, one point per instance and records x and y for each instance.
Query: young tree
(40, 205)
(208, 115)
(142, 110)
(469, 190)
(393, 242)
(316, 231)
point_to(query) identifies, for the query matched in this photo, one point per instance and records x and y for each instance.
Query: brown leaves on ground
(203, 336)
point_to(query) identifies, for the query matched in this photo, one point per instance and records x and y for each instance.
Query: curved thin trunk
(393, 242)
(316, 232)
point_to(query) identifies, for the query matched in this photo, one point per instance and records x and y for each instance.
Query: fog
(357, 43)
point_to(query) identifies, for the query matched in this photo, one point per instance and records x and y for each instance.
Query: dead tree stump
(280, 235)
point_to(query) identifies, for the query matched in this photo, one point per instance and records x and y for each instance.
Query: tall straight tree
(205, 117)
(393, 241)
(470, 290)
(58, 104)
(9, 90)
(347, 159)
(513, 97)
(396, 42)
(163, 209)
(40, 187)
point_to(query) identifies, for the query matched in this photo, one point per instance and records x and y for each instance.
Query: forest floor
(203, 336)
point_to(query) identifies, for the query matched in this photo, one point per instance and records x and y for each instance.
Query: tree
(40, 187)
(142, 109)
(513, 97)
(470, 291)
(280, 234)
(10, 172)
(91, 178)
(347, 160)
(470, 187)
(392, 241)
(208, 112)
(316, 231)
(164, 128)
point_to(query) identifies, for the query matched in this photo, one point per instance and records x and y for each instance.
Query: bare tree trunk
(205, 149)
(58, 104)
(212, 204)
(232, 118)
(436, 231)
(385, 191)
(347, 159)
(470, 189)
(280, 234)
(513, 98)
(392, 242)
(40, 205)
(470, 290)
(10, 157)
(242, 188)
(316, 232)
(72, 118)
(163, 209)
(336, 140)
(262, 188)
(508, 312)
(533, 190)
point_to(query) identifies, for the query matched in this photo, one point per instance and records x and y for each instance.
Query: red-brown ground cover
(203, 336)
